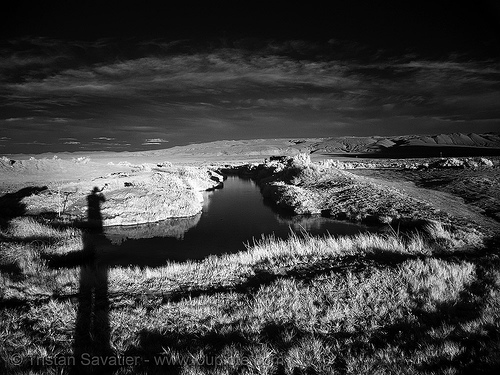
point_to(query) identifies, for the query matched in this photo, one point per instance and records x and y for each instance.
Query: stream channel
(232, 218)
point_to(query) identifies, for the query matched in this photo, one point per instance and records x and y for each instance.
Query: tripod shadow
(92, 330)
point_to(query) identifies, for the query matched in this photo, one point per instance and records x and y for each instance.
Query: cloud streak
(154, 141)
(13, 119)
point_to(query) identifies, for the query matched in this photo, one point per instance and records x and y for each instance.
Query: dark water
(232, 217)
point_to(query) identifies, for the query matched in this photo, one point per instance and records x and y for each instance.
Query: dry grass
(416, 303)
(304, 187)
(472, 193)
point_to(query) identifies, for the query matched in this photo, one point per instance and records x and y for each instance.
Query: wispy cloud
(59, 120)
(38, 143)
(105, 138)
(154, 141)
(14, 119)
(108, 144)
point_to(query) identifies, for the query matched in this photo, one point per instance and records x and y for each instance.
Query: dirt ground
(470, 194)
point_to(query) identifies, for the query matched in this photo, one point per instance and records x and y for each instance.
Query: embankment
(131, 194)
(306, 188)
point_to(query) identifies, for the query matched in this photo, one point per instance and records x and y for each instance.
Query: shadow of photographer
(92, 329)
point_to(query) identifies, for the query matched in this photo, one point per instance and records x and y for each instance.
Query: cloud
(14, 119)
(319, 102)
(154, 141)
(218, 72)
(71, 143)
(177, 90)
(108, 144)
(17, 60)
(33, 143)
(105, 138)
(59, 120)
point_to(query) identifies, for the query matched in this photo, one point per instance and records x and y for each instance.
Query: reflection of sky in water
(231, 217)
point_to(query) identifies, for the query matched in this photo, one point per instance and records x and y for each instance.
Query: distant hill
(405, 146)
(454, 144)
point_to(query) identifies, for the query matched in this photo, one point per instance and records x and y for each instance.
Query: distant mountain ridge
(458, 139)
(453, 144)
(402, 146)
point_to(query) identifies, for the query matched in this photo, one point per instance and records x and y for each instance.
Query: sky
(127, 76)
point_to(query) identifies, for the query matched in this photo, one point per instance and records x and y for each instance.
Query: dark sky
(133, 75)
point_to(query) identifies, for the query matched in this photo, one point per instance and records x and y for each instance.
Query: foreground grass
(426, 302)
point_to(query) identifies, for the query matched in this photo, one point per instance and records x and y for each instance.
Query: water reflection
(175, 228)
(313, 224)
(231, 217)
